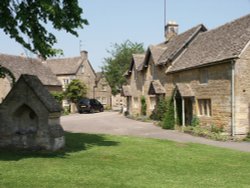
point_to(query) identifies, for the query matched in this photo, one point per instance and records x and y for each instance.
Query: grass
(112, 161)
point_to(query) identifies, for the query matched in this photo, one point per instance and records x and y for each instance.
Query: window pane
(204, 107)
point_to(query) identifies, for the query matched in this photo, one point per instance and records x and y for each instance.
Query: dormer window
(82, 69)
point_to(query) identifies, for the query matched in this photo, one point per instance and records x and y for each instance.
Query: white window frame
(136, 102)
(152, 100)
(204, 107)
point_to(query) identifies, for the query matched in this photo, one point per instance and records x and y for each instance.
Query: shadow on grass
(75, 142)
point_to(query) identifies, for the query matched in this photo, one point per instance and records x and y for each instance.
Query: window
(203, 76)
(104, 87)
(136, 102)
(82, 69)
(104, 100)
(66, 81)
(152, 102)
(204, 106)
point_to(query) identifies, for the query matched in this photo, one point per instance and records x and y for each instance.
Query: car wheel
(101, 110)
(80, 111)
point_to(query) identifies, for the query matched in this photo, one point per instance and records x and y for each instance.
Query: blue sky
(142, 21)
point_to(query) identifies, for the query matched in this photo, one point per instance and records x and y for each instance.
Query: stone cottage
(211, 78)
(67, 69)
(134, 86)
(22, 65)
(102, 90)
(148, 78)
(30, 117)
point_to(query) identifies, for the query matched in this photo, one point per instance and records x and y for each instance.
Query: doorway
(188, 110)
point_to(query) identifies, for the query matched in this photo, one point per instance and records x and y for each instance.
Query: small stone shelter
(30, 117)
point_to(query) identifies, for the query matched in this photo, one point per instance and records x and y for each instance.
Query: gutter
(233, 99)
(228, 60)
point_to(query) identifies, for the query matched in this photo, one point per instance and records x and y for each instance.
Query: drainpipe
(183, 112)
(233, 99)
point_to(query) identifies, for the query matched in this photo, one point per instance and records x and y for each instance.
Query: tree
(116, 65)
(6, 72)
(26, 19)
(75, 90)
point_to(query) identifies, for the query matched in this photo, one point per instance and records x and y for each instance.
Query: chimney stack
(84, 54)
(171, 30)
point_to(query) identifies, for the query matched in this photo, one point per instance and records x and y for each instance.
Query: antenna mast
(165, 17)
(165, 12)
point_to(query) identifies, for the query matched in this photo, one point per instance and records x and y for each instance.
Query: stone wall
(218, 90)
(5, 86)
(103, 92)
(26, 122)
(87, 75)
(242, 93)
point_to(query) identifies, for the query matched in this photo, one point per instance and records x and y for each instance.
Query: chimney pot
(171, 30)
(84, 54)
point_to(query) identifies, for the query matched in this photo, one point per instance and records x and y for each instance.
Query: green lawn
(112, 161)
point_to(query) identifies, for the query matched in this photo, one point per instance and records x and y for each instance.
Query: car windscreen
(84, 101)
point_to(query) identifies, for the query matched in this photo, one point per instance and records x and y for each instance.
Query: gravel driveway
(116, 124)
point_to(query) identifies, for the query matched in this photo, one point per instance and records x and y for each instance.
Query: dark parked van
(89, 105)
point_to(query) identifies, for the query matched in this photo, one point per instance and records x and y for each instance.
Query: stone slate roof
(99, 75)
(157, 51)
(222, 43)
(126, 91)
(177, 44)
(156, 88)
(42, 93)
(185, 90)
(22, 65)
(65, 66)
(137, 61)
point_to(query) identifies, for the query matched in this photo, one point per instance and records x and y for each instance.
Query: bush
(168, 119)
(143, 106)
(160, 110)
(216, 129)
(58, 96)
(195, 121)
(247, 137)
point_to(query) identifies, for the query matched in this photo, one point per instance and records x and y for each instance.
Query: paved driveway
(115, 124)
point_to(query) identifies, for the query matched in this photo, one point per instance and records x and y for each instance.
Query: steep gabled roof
(126, 91)
(185, 90)
(22, 65)
(157, 51)
(156, 88)
(222, 43)
(65, 66)
(137, 61)
(176, 45)
(39, 90)
(169, 50)
(99, 75)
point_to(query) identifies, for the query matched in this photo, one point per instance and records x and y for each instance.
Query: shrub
(195, 121)
(143, 106)
(160, 110)
(216, 129)
(58, 96)
(168, 121)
